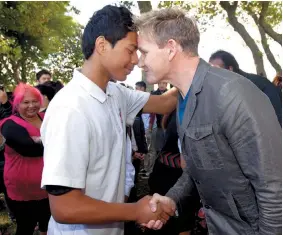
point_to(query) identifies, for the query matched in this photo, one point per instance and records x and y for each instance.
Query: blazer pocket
(203, 147)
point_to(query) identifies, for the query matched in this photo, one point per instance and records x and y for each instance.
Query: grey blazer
(231, 142)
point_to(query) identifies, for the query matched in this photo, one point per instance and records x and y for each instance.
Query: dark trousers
(4, 191)
(29, 213)
(130, 227)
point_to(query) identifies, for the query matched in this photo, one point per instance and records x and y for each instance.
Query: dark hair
(55, 85)
(42, 72)
(111, 22)
(141, 84)
(277, 81)
(227, 58)
(46, 90)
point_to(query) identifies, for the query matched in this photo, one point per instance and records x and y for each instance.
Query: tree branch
(268, 52)
(267, 27)
(264, 42)
(239, 28)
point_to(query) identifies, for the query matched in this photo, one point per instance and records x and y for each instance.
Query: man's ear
(231, 68)
(172, 48)
(100, 45)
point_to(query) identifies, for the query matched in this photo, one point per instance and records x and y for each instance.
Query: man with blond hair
(230, 136)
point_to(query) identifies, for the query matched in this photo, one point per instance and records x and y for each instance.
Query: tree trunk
(23, 70)
(268, 52)
(264, 42)
(145, 6)
(16, 71)
(239, 28)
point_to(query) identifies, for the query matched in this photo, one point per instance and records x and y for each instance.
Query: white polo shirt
(84, 139)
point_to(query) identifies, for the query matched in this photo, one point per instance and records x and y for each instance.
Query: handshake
(153, 212)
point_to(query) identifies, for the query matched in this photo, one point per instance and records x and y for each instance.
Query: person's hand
(144, 213)
(36, 139)
(3, 97)
(138, 155)
(167, 205)
(2, 141)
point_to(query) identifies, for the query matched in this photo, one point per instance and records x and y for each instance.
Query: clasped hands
(153, 212)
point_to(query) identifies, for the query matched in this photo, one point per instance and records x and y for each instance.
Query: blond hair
(170, 23)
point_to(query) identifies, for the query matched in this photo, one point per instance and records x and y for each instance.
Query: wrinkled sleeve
(253, 131)
(182, 189)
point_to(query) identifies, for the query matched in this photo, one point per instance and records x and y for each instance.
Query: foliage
(29, 32)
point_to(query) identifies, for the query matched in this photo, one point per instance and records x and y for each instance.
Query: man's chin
(120, 79)
(151, 80)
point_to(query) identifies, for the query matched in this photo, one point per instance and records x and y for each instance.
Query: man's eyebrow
(134, 46)
(141, 49)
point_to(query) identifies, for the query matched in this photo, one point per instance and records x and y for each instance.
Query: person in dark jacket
(167, 170)
(159, 135)
(5, 111)
(140, 148)
(224, 59)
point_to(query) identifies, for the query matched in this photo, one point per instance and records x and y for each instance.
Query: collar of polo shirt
(90, 87)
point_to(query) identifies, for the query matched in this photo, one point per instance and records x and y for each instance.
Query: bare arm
(76, 208)
(162, 104)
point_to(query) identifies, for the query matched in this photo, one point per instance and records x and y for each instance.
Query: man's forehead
(131, 39)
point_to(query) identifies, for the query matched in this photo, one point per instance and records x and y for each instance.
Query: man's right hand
(146, 214)
(3, 97)
(167, 205)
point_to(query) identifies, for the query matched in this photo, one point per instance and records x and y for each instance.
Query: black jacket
(171, 135)
(274, 93)
(139, 134)
(5, 111)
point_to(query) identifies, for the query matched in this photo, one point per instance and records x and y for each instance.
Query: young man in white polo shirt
(84, 134)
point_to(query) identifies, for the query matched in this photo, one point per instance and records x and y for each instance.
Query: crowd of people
(209, 147)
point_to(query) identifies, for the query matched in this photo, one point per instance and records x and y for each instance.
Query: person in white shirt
(84, 134)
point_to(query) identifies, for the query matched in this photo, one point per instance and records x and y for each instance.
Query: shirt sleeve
(130, 170)
(135, 101)
(254, 134)
(66, 137)
(182, 189)
(19, 139)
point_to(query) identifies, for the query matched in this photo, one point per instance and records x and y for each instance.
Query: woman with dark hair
(24, 162)
(167, 169)
(57, 86)
(47, 93)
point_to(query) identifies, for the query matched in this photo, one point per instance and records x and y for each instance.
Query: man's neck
(183, 74)
(96, 74)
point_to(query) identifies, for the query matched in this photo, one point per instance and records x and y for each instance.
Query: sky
(214, 38)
